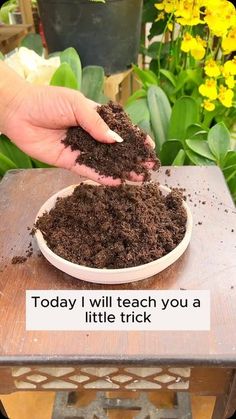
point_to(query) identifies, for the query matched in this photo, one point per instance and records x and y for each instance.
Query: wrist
(11, 88)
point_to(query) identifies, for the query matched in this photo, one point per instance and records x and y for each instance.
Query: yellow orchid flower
(194, 45)
(230, 67)
(209, 89)
(161, 16)
(198, 49)
(230, 82)
(220, 18)
(226, 96)
(159, 6)
(187, 43)
(208, 105)
(169, 6)
(188, 13)
(211, 68)
(229, 41)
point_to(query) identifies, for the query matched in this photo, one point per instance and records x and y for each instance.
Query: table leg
(225, 405)
(3, 413)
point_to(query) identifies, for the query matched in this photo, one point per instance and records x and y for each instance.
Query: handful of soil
(114, 227)
(119, 159)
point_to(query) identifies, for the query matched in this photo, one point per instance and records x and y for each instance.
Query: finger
(135, 177)
(66, 158)
(91, 174)
(88, 118)
(149, 165)
(92, 104)
(150, 141)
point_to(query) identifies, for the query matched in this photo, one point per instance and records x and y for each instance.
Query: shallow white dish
(110, 276)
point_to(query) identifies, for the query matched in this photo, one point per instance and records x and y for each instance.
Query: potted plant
(187, 96)
(105, 33)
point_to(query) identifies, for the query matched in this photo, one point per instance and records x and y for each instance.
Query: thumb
(89, 119)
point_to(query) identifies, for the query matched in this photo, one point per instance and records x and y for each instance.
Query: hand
(37, 120)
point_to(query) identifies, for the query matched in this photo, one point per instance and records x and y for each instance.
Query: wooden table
(11, 35)
(198, 362)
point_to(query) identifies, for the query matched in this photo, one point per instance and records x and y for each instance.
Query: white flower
(32, 67)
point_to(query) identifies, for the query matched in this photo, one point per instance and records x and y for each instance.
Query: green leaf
(195, 75)
(92, 82)
(185, 112)
(169, 151)
(138, 111)
(219, 141)
(1, 56)
(232, 186)
(64, 77)
(6, 8)
(33, 41)
(149, 11)
(157, 28)
(5, 164)
(145, 125)
(200, 147)
(153, 49)
(195, 131)
(160, 111)
(39, 165)
(179, 159)
(13, 153)
(230, 159)
(170, 76)
(198, 160)
(188, 76)
(55, 54)
(71, 57)
(141, 93)
(147, 77)
(181, 80)
(230, 173)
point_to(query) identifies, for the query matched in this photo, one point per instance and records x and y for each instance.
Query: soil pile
(118, 159)
(114, 227)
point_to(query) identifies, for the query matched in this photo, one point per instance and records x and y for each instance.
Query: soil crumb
(18, 259)
(114, 227)
(119, 159)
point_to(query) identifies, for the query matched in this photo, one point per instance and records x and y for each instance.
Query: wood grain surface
(208, 263)
(11, 35)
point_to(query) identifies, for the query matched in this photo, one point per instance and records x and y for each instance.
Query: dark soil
(18, 259)
(118, 159)
(114, 227)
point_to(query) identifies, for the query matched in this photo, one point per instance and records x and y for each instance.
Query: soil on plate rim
(114, 227)
(118, 159)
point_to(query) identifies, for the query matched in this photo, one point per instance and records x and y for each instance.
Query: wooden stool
(191, 362)
(64, 408)
(11, 35)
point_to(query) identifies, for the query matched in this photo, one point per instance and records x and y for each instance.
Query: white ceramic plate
(110, 276)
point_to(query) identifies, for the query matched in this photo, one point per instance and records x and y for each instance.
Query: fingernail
(114, 136)
(151, 142)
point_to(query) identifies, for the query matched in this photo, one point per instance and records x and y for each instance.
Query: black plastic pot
(103, 34)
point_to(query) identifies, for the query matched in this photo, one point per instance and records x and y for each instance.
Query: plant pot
(104, 275)
(103, 34)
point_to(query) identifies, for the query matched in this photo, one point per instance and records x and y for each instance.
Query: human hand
(37, 119)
